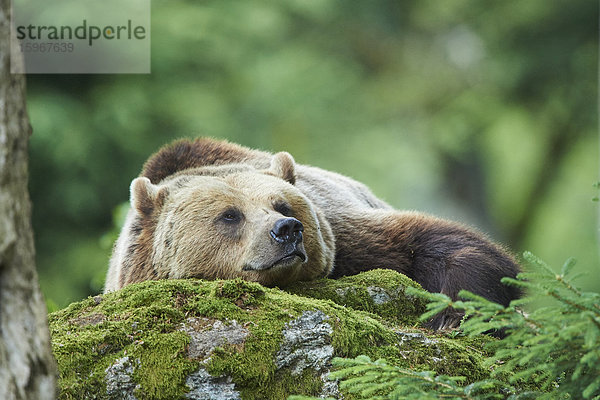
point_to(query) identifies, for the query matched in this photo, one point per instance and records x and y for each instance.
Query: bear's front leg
(442, 256)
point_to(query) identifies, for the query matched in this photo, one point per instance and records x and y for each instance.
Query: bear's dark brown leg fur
(442, 256)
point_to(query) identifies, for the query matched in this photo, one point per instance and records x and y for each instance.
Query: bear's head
(222, 222)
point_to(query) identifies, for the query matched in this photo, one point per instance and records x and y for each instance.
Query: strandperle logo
(80, 37)
(85, 31)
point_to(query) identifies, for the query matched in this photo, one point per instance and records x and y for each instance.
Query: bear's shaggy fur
(176, 227)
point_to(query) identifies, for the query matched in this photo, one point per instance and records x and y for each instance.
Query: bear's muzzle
(286, 235)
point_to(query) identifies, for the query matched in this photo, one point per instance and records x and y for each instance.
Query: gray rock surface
(206, 387)
(379, 295)
(119, 382)
(206, 334)
(306, 343)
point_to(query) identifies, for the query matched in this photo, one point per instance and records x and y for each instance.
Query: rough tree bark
(27, 367)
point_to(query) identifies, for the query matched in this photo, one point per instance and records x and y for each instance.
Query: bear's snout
(286, 248)
(287, 230)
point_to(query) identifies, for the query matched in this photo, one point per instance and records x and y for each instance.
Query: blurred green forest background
(479, 111)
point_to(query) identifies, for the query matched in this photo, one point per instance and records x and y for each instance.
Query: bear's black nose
(287, 230)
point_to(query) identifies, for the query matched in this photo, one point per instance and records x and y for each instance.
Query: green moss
(286, 383)
(157, 367)
(379, 291)
(241, 292)
(139, 322)
(144, 322)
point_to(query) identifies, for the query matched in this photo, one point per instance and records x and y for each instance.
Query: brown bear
(213, 209)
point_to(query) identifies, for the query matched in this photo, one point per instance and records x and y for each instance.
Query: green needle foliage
(367, 379)
(557, 346)
(553, 348)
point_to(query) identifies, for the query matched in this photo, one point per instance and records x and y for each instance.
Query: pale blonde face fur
(216, 223)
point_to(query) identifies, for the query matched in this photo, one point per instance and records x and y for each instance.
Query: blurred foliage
(483, 112)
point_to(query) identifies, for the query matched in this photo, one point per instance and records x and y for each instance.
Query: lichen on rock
(206, 334)
(204, 386)
(306, 343)
(119, 380)
(181, 338)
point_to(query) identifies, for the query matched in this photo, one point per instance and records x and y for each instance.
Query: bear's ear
(284, 167)
(145, 196)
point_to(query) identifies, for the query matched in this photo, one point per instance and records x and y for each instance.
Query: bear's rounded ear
(145, 196)
(284, 167)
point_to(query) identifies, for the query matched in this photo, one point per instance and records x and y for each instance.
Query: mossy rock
(380, 291)
(238, 340)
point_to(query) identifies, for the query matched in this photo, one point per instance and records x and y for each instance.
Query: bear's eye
(231, 215)
(283, 208)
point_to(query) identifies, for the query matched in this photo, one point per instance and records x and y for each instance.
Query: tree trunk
(27, 367)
